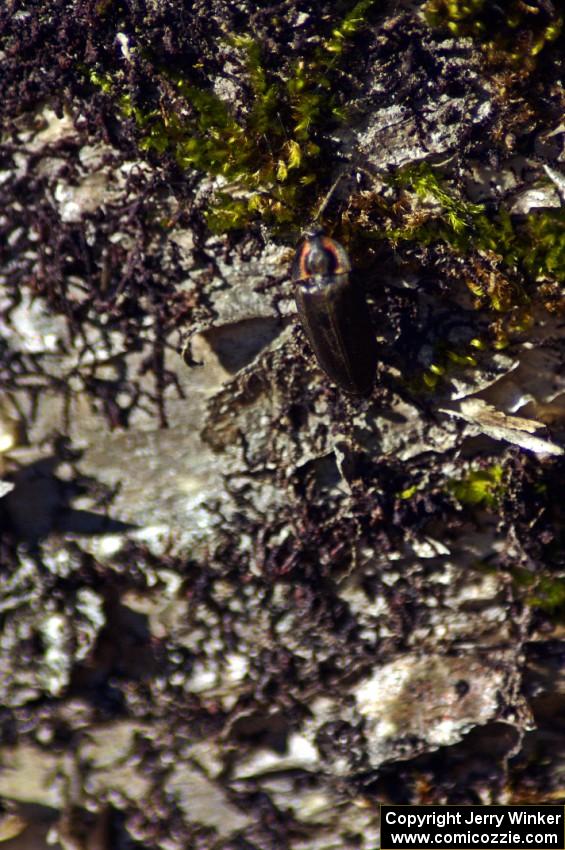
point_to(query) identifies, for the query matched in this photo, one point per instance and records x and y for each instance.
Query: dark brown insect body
(334, 313)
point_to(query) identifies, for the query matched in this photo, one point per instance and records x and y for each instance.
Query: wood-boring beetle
(334, 313)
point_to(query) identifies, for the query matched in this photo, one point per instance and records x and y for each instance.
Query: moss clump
(510, 264)
(546, 592)
(458, 16)
(308, 90)
(270, 157)
(480, 488)
(533, 245)
(409, 492)
(457, 215)
(543, 255)
(549, 595)
(521, 30)
(447, 362)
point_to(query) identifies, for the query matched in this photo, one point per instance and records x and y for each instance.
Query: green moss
(546, 592)
(455, 221)
(447, 362)
(409, 492)
(457, 15)
(480, 488)
(100, 81)
(271, 157)
(457, 216)
(549, 594)
(534, 245)
(512, 35)
(511, 263)
(309, 89)
(543, 254)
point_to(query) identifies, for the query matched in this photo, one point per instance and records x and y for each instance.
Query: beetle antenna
(345, 173)
(324, 205)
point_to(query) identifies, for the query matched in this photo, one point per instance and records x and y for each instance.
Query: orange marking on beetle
(331, 246)
(304, 251)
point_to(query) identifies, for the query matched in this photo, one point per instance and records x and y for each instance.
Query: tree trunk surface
(240, 606)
